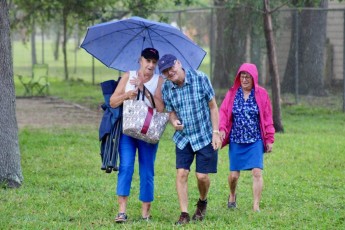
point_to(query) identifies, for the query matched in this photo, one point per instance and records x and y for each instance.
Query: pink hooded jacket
(262, 99)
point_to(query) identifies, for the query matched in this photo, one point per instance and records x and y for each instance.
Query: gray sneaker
(121, 218)
(232, 205)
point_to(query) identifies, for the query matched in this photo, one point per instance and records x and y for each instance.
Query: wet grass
(64, 187)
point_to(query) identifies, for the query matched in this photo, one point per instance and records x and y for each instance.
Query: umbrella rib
(117, 31)
(178, 50)
(128, 42)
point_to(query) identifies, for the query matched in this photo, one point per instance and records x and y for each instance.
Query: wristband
(216, 131)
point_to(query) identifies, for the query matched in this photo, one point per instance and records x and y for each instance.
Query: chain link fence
(309, 45)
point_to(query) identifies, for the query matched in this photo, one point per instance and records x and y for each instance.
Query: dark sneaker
(121, 218)
(200, 211)
(232, 205)
(184, 219)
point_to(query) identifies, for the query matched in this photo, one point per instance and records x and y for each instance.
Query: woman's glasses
(245, 76)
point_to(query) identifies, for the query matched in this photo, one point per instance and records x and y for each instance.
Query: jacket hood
(249, 68)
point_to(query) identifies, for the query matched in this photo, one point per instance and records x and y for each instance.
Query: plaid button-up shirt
(191, 105)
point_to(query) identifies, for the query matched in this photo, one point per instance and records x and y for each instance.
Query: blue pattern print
(245, 115)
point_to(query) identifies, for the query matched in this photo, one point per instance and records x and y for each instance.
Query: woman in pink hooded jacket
(246, 124)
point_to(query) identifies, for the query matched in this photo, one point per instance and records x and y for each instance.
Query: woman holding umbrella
(128, 87)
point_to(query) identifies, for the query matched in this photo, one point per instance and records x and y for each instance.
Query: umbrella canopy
(118, 44)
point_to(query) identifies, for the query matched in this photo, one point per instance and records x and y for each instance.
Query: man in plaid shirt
(190, 99)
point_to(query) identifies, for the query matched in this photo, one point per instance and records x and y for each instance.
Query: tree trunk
(221, 76)
(288, 84)
(237, 31)
(311, 42)
(33, 43)
(64, 42)
(10, 168)
(256, 43)
(273, 67)
(232, 30)
(57, 43)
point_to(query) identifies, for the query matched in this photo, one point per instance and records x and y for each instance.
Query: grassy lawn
(64, 187)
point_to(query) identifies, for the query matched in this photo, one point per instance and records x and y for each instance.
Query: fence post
(296, 56)
(211, 54)
(42, 33)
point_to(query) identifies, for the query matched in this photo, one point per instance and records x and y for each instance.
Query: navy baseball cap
(167, 61)
(150, 53)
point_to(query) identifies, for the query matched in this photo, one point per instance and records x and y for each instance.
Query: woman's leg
(122, 200)
(145, 209)
(127, 150)
(147, 156)
(257, 188)
(232, 181)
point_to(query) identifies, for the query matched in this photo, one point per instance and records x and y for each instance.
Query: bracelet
(216, 131)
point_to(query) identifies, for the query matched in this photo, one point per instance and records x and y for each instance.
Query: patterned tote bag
(143, 122)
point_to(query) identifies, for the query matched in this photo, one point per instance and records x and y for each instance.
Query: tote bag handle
(143, 96)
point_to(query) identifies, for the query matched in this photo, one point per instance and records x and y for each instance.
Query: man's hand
(216, 140)
(177, 125)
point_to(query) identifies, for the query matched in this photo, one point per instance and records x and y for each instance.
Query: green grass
(79, 63)
(64, 187)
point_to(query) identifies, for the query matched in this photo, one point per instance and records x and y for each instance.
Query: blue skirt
(246, 156)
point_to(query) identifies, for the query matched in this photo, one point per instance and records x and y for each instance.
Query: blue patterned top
(190, 102)
(245, 115)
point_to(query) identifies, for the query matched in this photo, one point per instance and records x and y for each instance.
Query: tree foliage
(66, 14)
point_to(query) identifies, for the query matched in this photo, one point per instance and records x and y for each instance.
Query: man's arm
(176, 123)
(216, 142)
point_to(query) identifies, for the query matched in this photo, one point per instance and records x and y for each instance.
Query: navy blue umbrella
(118, 44)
